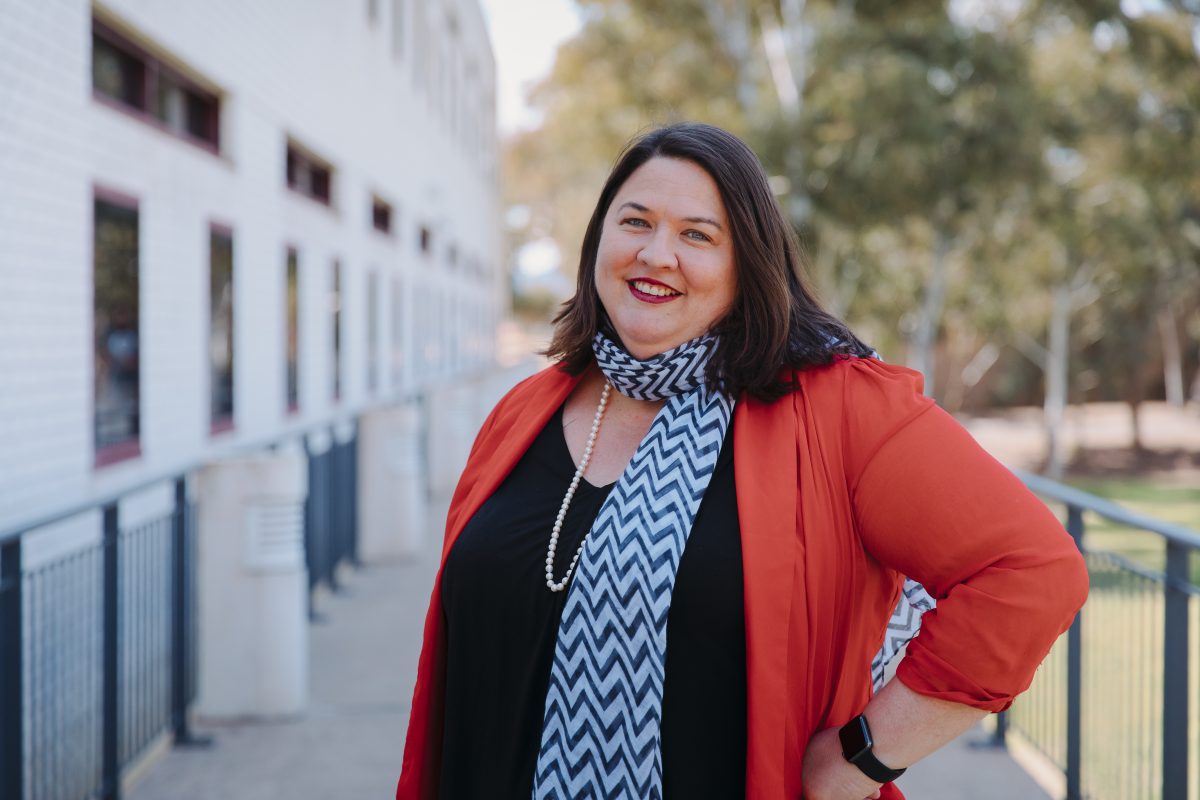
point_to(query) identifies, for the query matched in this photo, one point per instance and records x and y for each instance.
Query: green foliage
(1001, 153)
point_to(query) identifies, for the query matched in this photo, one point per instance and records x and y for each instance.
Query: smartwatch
(856, 748)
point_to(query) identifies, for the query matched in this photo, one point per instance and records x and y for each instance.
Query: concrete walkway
(363, 658)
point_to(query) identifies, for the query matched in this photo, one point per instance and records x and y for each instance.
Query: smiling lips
(652, 291)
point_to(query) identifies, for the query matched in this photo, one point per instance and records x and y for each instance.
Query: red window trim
(223, 228)
(303, 155)
(116, 453)
(115, 197)
(153, 66)
(131, 448)
(289, 251)
(220, 424)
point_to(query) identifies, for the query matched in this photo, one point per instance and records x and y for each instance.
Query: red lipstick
(652, 298)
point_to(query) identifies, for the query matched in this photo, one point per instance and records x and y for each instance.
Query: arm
(906, 726)
(931, 504)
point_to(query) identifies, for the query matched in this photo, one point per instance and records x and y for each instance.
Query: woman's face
(664, 266)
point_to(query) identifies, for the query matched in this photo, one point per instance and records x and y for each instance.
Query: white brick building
(380, 111)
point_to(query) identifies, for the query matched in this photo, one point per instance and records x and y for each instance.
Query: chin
(646, 347)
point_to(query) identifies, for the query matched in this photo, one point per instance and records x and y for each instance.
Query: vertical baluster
(1175, 673)
(110, 769)
(12, 734)
(1074, 676)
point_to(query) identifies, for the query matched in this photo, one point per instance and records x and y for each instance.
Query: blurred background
(266, 265)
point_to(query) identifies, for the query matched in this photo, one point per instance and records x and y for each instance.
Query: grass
(1177, 504)
(1123, 640)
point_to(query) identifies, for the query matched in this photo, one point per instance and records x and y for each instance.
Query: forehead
(672, 186)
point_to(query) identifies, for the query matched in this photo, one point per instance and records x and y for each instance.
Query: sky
(525, 35)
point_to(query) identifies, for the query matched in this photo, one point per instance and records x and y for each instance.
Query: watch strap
(857, 747)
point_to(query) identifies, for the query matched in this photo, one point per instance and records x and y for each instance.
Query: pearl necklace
(566, 503)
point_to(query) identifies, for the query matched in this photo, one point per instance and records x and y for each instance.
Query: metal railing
(1114, 706)
(98, 645)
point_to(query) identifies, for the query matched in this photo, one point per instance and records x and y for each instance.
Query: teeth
(654, 289)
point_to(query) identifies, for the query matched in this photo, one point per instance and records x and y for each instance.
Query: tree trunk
(1055, 404)
(1135, 424)
(1172, 356)
(921, 354)
(730, 20)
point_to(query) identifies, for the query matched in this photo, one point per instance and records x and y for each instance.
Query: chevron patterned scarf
(601, 729)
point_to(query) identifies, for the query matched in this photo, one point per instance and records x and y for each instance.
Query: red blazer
(843, 486)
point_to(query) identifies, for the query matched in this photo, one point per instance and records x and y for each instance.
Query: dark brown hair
(775, 322)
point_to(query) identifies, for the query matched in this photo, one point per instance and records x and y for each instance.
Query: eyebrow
(644, 210)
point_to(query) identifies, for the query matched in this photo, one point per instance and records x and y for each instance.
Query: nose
(659, 252)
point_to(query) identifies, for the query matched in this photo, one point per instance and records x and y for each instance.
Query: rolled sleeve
(930, 503)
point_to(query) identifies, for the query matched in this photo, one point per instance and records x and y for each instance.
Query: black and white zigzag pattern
(674, 372)
(902, 627)
(601, 730)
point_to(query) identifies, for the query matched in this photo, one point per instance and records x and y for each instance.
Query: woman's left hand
(827, 775)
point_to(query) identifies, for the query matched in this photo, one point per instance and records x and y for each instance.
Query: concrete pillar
(253, 586)
(392, 503)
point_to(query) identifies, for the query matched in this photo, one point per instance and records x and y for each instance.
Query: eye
(635, 221)
(698, 236)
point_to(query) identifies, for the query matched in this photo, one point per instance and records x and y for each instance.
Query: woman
(701, 397)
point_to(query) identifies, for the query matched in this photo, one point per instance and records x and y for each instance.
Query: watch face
(856, 738)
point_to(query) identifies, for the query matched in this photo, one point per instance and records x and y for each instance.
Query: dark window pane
(320, 183)
(118, 74)
(335, 304)
(308, 176)
(293, 168)
(220, 338)
(202, 117)
(381, 216)
(293, 330)
(170, 104)
(115, 316)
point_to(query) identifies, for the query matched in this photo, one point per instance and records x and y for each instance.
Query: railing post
(12, 713)
(1075, 677)
(110, 785)
(1175, 673)
(1000, 734)
(181, 656)
(352, 495)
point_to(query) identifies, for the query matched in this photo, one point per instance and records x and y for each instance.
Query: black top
(502, 622)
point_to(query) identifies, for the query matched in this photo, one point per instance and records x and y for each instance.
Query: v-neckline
(568, 458)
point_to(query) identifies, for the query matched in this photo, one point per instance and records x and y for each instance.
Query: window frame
(154, 69)
(223, 424)
(378, 205)
(131, 448)
(315, 166)
(291, 407)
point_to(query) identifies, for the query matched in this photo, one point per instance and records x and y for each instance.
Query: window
(335, 309)
(308, 175)
(292, 332)
(127, 76)
(116, 371)
(381, 215)
(220, 329)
